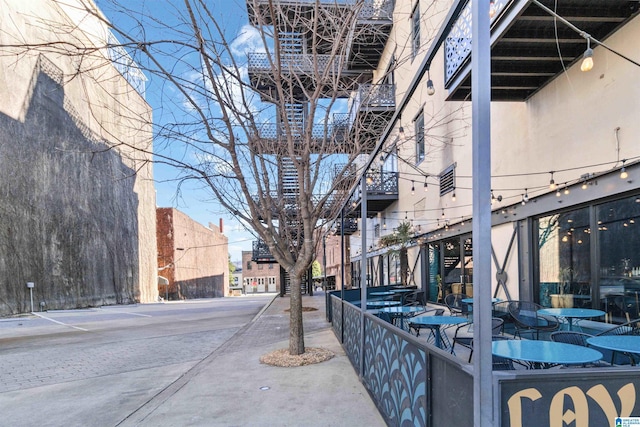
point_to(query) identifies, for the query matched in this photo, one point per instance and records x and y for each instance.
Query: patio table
(381, 294)
(401, 311)
(626, 344)
(544, 354)
(435, 323)
(572, 313)
(380, 304)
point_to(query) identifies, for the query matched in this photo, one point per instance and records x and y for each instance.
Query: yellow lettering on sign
(626, 394)
(558, 417)
(515, 405)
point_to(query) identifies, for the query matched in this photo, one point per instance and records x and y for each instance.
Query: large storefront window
(450, 267)
(435, 279)
(619, 253)
(564, 263)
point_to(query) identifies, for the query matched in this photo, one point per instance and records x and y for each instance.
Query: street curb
(266, 306)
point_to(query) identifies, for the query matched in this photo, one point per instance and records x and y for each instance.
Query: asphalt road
(97, 366)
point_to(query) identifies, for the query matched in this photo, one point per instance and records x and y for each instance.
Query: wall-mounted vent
(447, 180)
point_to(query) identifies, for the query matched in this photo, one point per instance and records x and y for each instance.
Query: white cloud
(248, 40)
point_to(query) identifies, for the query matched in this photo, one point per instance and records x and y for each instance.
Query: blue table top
(381, 293)
(625, 343)
(438, 320)
(399, 291)
(382, 303)
(572, 312)
(470, 300)
(402, 310)
(545, 352)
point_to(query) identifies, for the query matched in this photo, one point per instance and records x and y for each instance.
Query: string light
(584, 184)
(426, 187)
(623, 172)
(552, 183)
(430, 88)
(566, 188)
(401, 132)
(558, 193)
(453, 196)
(492, 8)
(413, 188)
(587, 57)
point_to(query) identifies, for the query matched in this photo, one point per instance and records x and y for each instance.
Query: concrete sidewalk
(231, 387)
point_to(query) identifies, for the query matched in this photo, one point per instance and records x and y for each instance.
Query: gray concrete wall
(77, 210)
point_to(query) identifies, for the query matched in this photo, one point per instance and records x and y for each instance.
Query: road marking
(126, 312)
(59, 323)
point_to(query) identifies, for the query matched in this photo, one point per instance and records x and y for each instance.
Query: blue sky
(191, 197)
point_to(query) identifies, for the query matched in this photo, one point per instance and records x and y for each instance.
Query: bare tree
(258, 126)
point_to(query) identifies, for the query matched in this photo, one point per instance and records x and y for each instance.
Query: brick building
(259, 277)
(193, 258)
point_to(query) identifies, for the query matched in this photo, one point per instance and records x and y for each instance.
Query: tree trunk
(296, 329)
(404, 266)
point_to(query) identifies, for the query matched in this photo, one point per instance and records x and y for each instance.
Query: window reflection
(619, 248)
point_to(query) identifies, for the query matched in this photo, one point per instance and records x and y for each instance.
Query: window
(260, 266)
(376, 231)
(419, 129)
(270, 266)
(415, 30)
(248, 265)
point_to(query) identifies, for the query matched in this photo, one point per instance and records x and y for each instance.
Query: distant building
(259, 277)
(193, 258)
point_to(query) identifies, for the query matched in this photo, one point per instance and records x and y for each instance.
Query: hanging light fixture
(492, 8)
(413, 188)
(426, 187)
(401, 132)
(493, 198)
(453, 196)
(566, 189)
(552, 183)
(406, 214)
(623, 172)
(430, 88)
(584, 184)
(558, 193)
(587, 56)
(369, 179)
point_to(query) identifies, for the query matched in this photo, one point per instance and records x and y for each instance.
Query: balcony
(371, 108)
(350, 227)
(299, 72)
(368, 36)
(525, 41)
(261, 252)
(382, 191)
(328, 138)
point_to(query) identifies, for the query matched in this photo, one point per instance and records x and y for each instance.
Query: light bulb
(430, 89)
(558, 193)
(587, 60)
(584, 185)
(623, 173)
(401, 132)
(566, 190)
(552, 184)
(453, 196)
(413, 188)
(426, 188)
(492, 8)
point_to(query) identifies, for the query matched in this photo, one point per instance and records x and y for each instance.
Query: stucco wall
(77, 217)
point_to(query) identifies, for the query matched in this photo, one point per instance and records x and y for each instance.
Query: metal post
(324, 262)
(363, 264)
(481, 183)
(30, 285)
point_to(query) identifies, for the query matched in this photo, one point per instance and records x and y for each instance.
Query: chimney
(221, 229)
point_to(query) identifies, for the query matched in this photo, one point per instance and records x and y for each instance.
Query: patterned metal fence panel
(396, 374)
(352, 333)
(336, 317)
(457, 46)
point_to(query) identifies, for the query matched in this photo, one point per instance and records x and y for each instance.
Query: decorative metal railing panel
(395, 371)
(372, 96)
(299, 63)
(457, 46)
(380, 183)
(273, 131)
(371, 9)
(352, 333)
(336, 317)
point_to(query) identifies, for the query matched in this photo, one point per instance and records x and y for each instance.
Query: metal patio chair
(526, 318)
